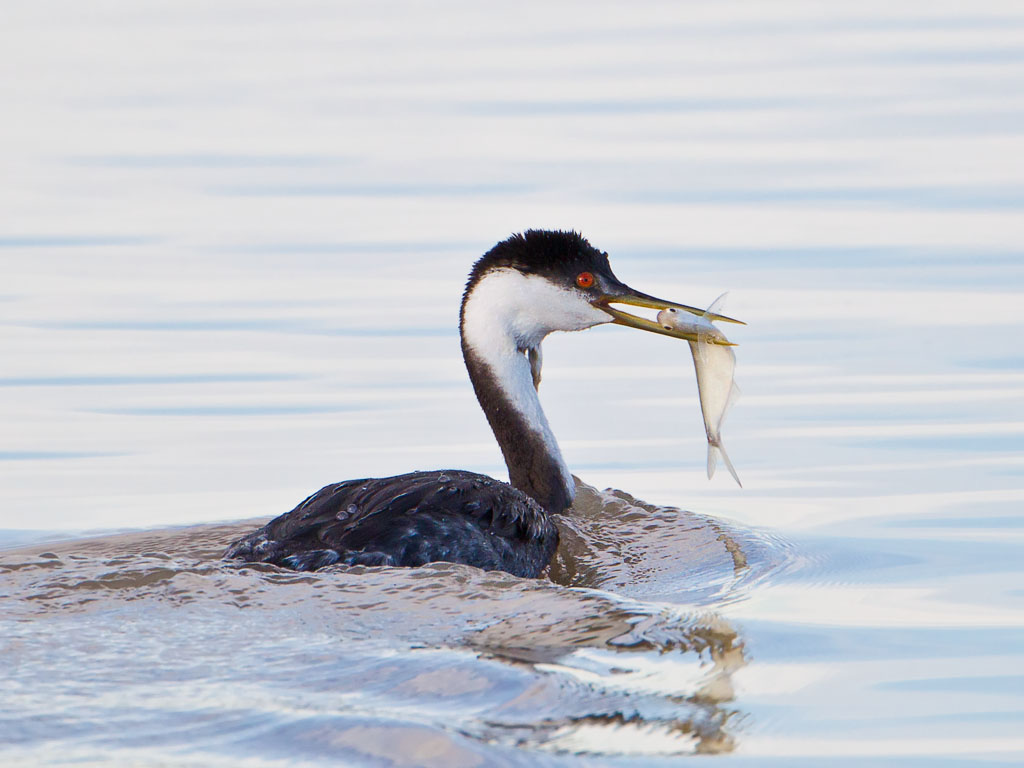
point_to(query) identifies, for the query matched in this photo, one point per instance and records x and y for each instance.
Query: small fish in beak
(715, 362)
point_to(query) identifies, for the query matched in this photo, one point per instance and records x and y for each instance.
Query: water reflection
(205, 254)
(520, 664)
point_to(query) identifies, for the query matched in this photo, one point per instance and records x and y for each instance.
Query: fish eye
(585, 280)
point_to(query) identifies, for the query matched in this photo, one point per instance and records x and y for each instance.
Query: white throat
(507, 314)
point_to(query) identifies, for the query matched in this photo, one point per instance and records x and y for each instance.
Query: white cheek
(528, 308)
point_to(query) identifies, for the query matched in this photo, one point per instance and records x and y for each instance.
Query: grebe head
(518, 292)
(542, 281)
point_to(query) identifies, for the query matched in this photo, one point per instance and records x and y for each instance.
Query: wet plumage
(410, 519)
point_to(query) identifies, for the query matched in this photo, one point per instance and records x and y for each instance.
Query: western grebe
(521, 290)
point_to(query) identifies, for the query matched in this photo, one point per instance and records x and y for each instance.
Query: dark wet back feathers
(409, 520)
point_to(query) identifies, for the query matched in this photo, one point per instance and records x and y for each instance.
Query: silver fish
(715, 364)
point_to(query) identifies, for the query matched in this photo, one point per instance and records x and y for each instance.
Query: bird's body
(520, 291)
(411, 519)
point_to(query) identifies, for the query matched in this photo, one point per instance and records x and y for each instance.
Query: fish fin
(699, 347)
(712, 459)
(707, 337)
(728, 465)
(734, 395)
(716, 306)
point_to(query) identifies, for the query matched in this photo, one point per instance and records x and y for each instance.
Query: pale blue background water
(234, 237)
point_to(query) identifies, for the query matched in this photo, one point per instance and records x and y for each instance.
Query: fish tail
(728, 464)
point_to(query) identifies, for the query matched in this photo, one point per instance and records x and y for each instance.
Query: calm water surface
(234, 242)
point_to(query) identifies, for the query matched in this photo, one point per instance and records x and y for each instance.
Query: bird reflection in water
(623, 662)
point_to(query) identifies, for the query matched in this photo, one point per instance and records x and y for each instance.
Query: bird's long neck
(506, 393)
(495, 356)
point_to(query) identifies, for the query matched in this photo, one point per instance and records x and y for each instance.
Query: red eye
(584, 279)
